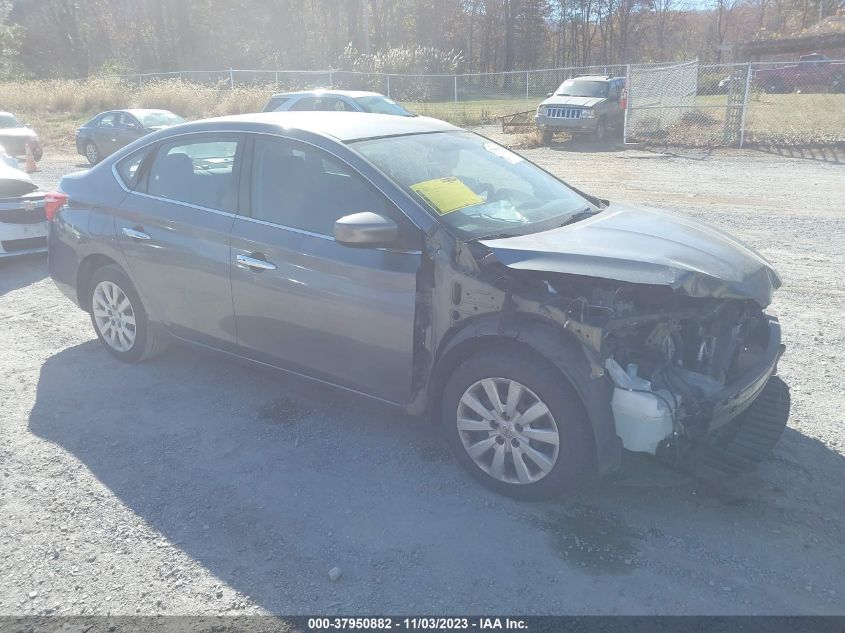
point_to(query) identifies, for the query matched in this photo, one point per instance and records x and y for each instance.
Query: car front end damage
(657, 321)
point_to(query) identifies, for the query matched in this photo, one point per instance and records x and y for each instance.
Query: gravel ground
(193, 485)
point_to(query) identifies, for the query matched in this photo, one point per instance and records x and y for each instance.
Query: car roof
(596, 77)
(343, 126)
(329, 91)
(2, 113)
(139, 112)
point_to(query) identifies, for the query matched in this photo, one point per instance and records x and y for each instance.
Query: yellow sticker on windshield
(447, 195)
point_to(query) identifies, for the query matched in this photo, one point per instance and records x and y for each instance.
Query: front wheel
(516, 424)
(119, 318)
(600, 133)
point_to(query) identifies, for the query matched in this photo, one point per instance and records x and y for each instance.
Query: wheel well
(87, 268)
(453, 357)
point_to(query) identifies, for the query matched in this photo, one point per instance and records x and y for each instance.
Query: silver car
(335, 101)
(419, 264)
(23, 223)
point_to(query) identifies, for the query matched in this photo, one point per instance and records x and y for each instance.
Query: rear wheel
(517, 425)
(92, 152)
(119, 318)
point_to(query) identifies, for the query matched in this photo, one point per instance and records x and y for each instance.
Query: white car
(9, 161)
(23, 222)
(335, 101)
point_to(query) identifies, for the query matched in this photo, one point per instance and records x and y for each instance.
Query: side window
(332, 104)
(199, 173)
(107, 120)
(128, 168)
(127, 120)
(306, 103)
(305, 188)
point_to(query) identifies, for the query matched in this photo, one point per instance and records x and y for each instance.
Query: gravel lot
(193, 485)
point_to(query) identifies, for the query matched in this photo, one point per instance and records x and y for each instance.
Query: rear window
(7, 121)
(274, 103)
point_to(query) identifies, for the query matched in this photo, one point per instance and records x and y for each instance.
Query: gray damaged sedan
(543, 329)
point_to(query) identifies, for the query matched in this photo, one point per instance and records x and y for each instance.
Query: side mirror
(551, 94)
(365, 229)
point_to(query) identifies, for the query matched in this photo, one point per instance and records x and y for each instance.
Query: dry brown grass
(57, 107)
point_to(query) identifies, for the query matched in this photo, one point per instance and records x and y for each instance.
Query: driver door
(303, 301)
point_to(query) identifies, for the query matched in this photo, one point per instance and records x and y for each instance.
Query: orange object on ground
(31, 167)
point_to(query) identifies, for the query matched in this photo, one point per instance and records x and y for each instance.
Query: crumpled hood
(581, 102)
(646, 246)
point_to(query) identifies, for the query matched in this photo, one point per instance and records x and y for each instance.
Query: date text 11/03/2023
(414, 624)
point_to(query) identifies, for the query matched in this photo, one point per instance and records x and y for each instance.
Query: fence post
(526, 85)
(231, 79)
(140, 80)
(388, 85)
(627, 103)
(456, 88)
(277, 79)
(745, 106)
(331, 79)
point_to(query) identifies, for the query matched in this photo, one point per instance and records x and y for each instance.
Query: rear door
(105, 134)
(307, 303)
(129, 129)
(175, 229)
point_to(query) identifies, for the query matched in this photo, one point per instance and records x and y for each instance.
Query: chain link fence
(672, 103)
(737, 104)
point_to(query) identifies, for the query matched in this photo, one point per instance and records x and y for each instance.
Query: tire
(600, 133)
(92, 152)
(465, 429)
(548, 135)
(124, 330)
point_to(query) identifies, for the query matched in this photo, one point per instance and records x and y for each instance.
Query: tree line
(78, 38)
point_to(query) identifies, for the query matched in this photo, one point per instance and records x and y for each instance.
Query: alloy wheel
(508, 431)
(91, 153)
(114, 316)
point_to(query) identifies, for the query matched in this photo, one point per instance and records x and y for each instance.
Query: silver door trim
(253, 262)
(135, 235)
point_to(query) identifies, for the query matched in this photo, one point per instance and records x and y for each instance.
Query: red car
(812, 73)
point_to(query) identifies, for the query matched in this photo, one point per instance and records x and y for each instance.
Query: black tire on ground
(547, 137)
(600, 133)
(149, 341)
(576, 452)
(92, 152)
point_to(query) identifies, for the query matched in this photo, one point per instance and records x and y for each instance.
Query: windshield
(7, 122)
(381, 105)
(582, 88)
(161, 118)
(473, 185)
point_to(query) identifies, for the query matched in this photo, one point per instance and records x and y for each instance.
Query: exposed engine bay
(667, 355)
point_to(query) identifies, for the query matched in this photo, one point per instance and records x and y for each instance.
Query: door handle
(254, 263)
(135, 234)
